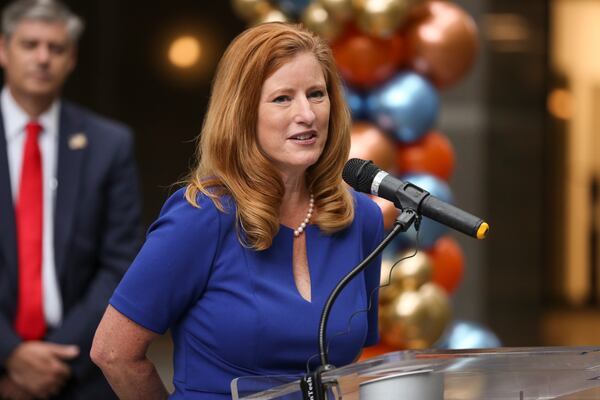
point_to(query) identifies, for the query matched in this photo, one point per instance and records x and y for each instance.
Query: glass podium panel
(565, 373)
(267, 387)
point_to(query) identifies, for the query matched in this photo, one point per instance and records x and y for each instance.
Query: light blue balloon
(468, 335)
(407, 106)
(429, 230)
(356, 103)
(293, 7)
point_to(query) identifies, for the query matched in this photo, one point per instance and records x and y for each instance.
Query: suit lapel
(71, 152)
(8, 230)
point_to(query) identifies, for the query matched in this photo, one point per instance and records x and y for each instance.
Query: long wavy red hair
(229, 160)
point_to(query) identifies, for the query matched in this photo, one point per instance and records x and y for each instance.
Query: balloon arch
(395, 56)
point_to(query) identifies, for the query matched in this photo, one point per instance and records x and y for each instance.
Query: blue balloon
(394, 249)
(467, 335)
(429, 230)
(356, 103)
(293, 7)
(407, 106)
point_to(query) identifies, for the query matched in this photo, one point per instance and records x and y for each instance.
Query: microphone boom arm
(406, 218)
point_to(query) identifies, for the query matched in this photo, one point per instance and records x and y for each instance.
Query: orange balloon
(432, 154)
(365, 61)
(370, 143)
(448, 263)
(442, 42)
(389, 211)
(377, 350)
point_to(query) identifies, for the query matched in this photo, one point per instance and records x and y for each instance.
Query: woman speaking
(241, 260)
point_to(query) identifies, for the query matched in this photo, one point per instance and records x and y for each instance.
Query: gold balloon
(403, 321)
(273, 15)
(387, 291)
(416, 318)
(381, 18)
(412, 272)
(416, 3)
(439, 310)
(251, 9)
(339, 9)
(319, 20)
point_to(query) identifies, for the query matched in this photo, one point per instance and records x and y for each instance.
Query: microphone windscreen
(360, 174)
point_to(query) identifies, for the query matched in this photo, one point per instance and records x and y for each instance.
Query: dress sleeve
(372, 220)
(171, 270)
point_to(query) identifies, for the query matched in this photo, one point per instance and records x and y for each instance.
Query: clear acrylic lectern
(565, 373)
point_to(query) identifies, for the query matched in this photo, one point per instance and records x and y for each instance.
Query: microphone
(366, 177)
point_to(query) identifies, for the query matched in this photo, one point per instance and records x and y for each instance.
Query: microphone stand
(311, 384)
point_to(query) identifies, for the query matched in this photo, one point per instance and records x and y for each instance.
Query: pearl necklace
(311, 206)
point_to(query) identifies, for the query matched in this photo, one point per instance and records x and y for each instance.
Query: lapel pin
(78, 141)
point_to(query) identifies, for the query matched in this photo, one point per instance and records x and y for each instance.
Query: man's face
(37, 58)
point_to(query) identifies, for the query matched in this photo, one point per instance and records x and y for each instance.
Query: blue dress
(234, 311)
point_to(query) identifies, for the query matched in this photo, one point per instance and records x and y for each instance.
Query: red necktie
(30, 323)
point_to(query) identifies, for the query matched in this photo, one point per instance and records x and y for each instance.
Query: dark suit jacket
(96, 235)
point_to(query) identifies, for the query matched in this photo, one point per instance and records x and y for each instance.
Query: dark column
(516, 92)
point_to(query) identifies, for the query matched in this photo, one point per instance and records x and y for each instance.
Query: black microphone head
(359, 174)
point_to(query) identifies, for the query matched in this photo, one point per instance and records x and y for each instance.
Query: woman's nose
(304, 112)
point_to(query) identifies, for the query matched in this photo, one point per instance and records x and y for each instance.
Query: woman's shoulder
(364, 205)
(178, 202)
(178, 210)
(367, 215)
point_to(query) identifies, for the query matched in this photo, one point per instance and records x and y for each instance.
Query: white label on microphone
(377, 181)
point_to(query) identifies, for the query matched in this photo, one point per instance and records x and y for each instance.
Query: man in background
(69, 211)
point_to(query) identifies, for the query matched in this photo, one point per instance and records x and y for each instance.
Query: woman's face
(293, 115)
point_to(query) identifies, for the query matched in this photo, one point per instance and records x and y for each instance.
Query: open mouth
(304, 136)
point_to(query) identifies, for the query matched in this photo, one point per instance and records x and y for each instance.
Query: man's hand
(9, 390)
(39, 367)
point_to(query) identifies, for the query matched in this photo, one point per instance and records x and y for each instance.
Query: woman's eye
(317, 94)
(281, 99)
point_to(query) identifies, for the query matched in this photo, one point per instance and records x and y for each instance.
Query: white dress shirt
(15, 120)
